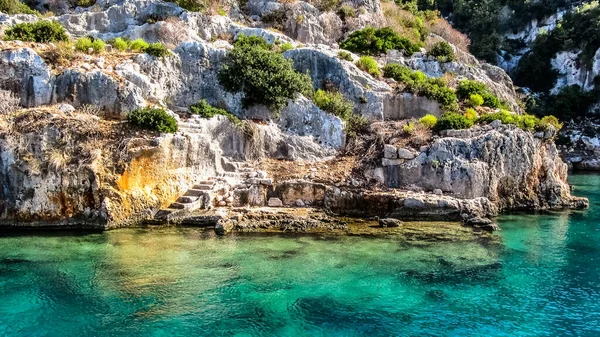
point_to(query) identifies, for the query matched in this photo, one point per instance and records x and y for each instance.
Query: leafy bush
(356, 124)
(120, 44)
(368, 64)
(85, 43)
(15, 7)
(264, 76)
(252, 41)
(550, 120)
(467, 88)
(334, 103)
(470, 114)
(569, 102)
(157, 50)
(418, 83)
(525, 122)
(428, 120)
(344, 55)
(371, 41)
(39, 31)
(409, 128)
(138, 45)
(475, 100)
(346, 12)
(153, 119)
(452, 120)
(206, 110)
(84, 3)
(443, 51)
(285, 47)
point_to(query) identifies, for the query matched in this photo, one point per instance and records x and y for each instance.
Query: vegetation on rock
(154, 119)
(138, 45)
(15, 7)
(334, 103)
(467, 88)
(371, 41)
(344, 55)
(418, 83)
(86, 43)
(157, 49)
(442, 51)
(262, 75)
(204, 109)
(452, 120)
(428, 120)
(369, 65)
(40, 31)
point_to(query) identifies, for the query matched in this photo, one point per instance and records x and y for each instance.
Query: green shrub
(428, 120)
(157, 50)
(98, 45)
(470, 114)
(84, 3)
(221, 12)
(344, 55)
(252, 41)
(570, 102)
(525, 122)
(120, 44)
(15, 7)
(356, 124)
(475, 100)
(409, 128)
(467, 88)
(452, 120)
(206, 110)
(138, 45)
(39, 31)
(346, 11)
(285, 47)
(368, 64)
(371, 41)
(334, 103)
(154, 119)
(85, 43)
(550, 120)
(443, 51)
(263, 76)
(418, 83)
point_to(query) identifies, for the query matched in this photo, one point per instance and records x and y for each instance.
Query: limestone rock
(389, 223)
(275, 202)
(390, 151)
(405, 154)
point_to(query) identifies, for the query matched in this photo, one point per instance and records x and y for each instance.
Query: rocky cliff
(68, 158)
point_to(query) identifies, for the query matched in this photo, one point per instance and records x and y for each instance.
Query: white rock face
(573, 73)
(24, 72)
(303, 118)
(501, 164)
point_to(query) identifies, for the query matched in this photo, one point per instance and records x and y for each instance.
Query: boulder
(275, 202)
(390, 151)
(389, 223)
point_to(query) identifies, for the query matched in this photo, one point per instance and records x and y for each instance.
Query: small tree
(263, 76)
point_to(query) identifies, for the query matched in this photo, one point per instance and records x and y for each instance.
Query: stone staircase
(242, 187)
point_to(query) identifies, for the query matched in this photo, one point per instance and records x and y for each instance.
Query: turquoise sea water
(539, 276)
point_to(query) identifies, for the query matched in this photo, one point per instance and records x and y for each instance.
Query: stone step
(204, 187)
(167, 214)
(187, 206)
(184, 199)
(194, 193)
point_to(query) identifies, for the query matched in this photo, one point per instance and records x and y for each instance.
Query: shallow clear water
(539, 276)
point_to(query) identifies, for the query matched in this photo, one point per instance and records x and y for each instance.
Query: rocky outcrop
(572, 72)
(509, 166)
(494, 78)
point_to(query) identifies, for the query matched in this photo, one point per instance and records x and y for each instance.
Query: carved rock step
(204, 187)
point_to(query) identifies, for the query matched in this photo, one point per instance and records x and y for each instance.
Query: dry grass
(442, 28)
(63, 55)
(404, 133)
(172, 32)
(401, 21)
(57, 160)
